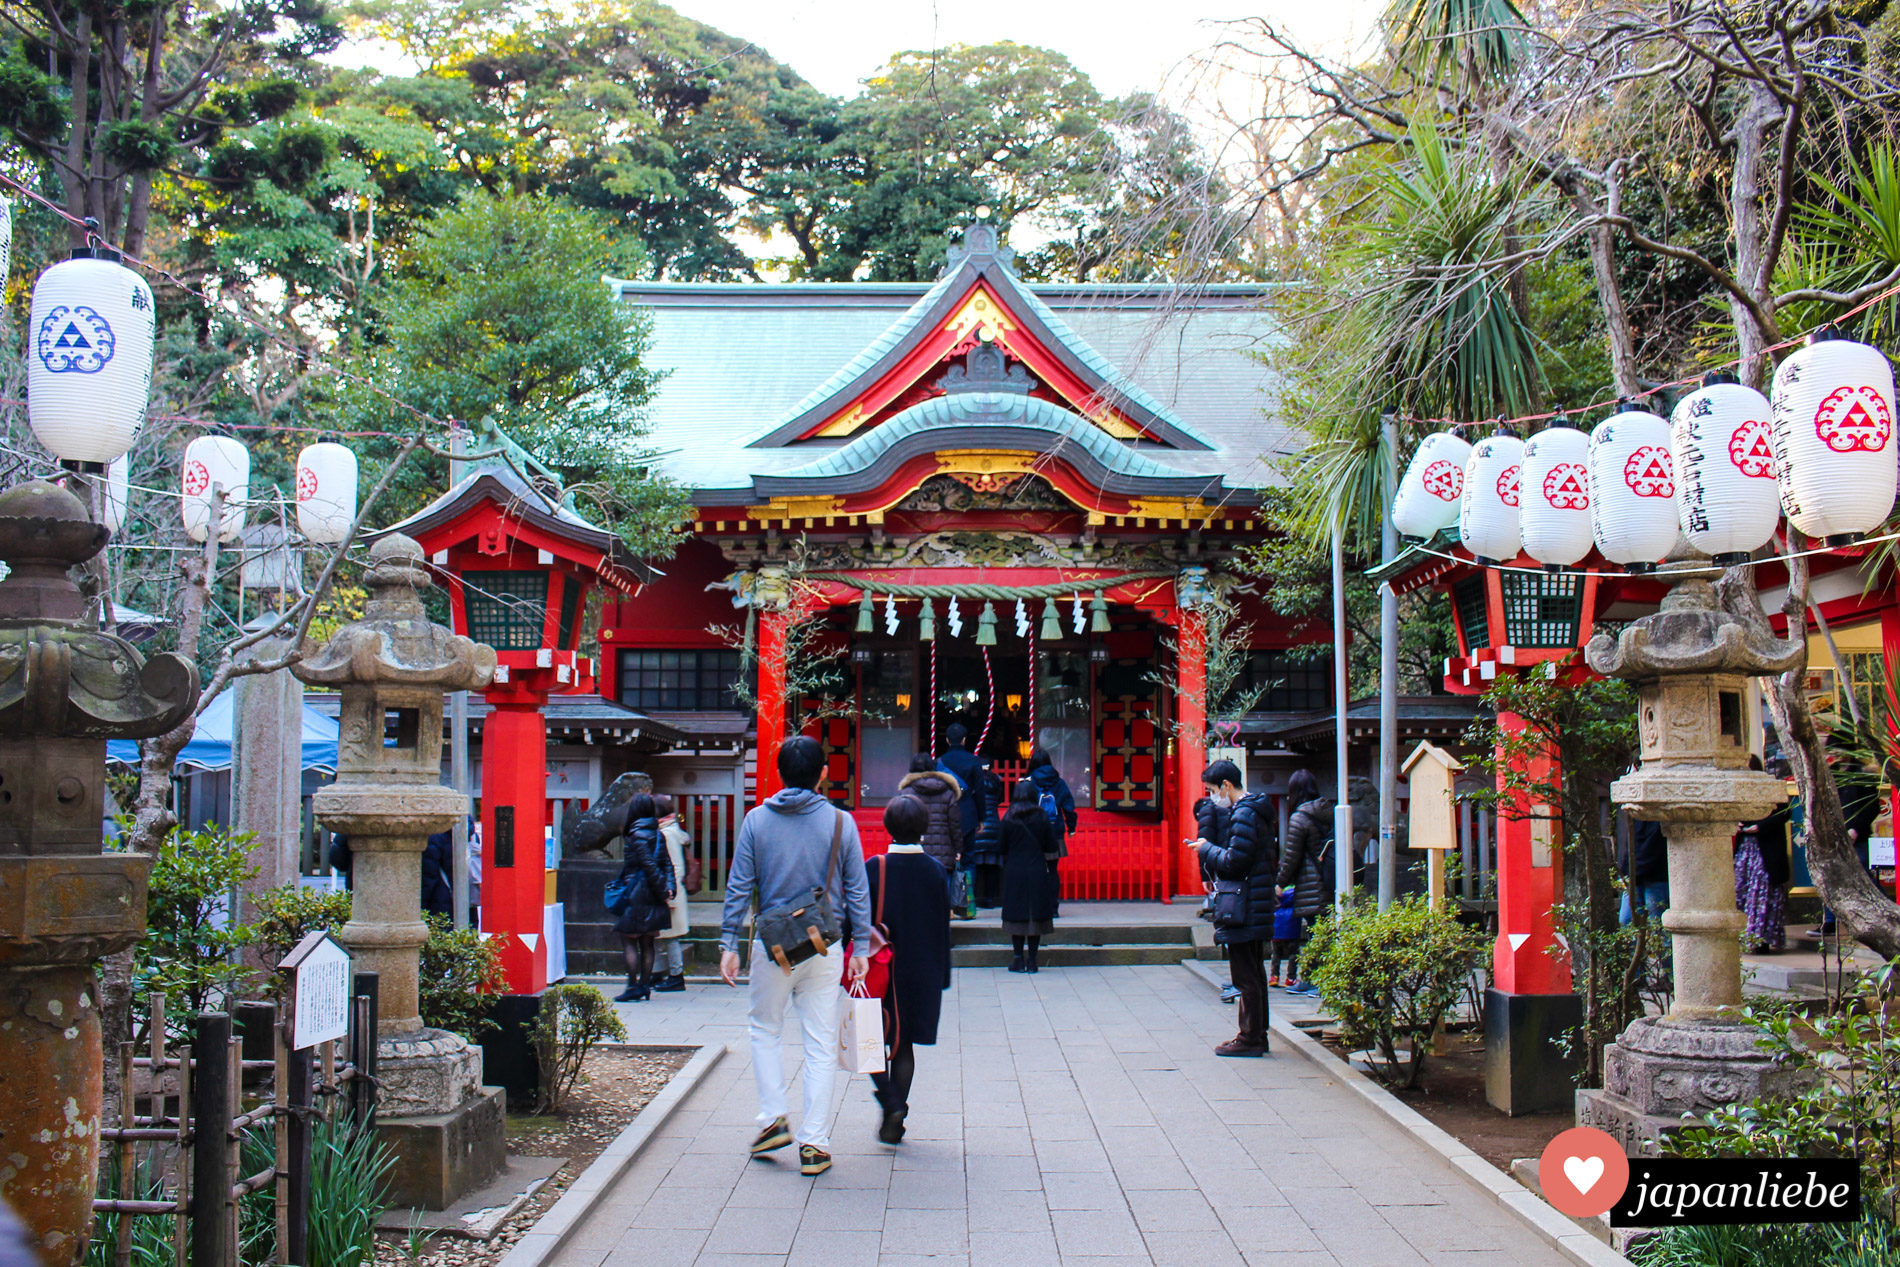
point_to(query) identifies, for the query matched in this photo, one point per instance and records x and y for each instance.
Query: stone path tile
(1077, 1118)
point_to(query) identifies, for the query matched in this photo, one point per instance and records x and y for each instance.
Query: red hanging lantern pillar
(1527, 957)
(1190, 703)
(514, 826)
(773, 625)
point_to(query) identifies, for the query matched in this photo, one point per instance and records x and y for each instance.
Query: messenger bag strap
(837, 835)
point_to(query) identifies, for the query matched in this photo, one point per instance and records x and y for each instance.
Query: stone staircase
(1076, 943)
(1091, 934)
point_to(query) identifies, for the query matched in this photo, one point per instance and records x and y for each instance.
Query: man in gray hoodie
(782, 854)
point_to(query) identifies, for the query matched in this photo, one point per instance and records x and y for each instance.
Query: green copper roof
(996, 409)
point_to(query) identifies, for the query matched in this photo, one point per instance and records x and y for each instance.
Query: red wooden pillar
(772, 626)
(1530, 883)
(1890, 653)
(514, 817)
(1190, 703)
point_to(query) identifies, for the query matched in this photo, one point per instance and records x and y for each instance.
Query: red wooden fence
(1109, 860)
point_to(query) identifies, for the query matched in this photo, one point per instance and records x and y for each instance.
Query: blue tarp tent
(210, 746)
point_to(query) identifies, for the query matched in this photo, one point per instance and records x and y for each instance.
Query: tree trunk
(1845, 884)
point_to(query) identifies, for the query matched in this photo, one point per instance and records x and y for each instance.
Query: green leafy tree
(573, 1020)
(190, 949)
(457, 974)
(499, 312)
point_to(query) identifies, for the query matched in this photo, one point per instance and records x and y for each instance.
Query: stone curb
(552, 1229)
(1539, 1215)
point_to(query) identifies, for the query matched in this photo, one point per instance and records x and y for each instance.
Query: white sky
(1123, 45)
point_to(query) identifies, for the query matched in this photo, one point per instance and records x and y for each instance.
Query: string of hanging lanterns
(1720, 472)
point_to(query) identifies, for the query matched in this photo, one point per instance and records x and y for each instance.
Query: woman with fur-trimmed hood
(943, 838)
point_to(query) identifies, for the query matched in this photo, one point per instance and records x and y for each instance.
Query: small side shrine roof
(496, 481)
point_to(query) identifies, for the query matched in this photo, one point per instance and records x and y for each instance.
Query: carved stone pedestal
(1660, 1069)
(437, 1116)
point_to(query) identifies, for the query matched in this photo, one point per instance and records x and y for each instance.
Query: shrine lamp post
(1516, 620)
(65, 689)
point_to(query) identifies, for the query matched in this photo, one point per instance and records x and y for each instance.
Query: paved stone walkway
(1076, 1116)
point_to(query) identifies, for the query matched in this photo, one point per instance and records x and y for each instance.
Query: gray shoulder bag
(796, 931)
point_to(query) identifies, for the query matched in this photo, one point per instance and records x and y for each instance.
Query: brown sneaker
(813, 1160)
(1234, 1047)
(776, 1135)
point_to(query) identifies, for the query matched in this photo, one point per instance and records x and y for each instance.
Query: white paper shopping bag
(861, 1035)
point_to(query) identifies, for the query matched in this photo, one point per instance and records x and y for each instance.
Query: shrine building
(998, 504)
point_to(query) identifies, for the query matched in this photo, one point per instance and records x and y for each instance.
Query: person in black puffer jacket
(648, 908)
(1249, 859)
(942, 796)
(987, 858)
(1304, 857)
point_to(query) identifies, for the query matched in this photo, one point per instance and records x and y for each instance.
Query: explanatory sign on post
(319, 991)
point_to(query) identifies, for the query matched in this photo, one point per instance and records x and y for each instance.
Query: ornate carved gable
(963, 492)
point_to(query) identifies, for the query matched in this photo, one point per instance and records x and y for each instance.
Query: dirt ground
(616, 1084)
(1452, 1099)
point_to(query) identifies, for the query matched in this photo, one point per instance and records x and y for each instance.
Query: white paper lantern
(1429, 495)
(223, 463)
(89, 358)
(1834, 448)
(1555, 516)
(1722, 440)
(326, 492)
(117, 492)
(1488, 512)
(6, 239)
(1633, 489)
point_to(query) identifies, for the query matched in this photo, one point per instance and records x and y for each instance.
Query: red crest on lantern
(1444, 480)
(1650, 472)
(1851, 418)
(306, 483)
(1566, 487)
(1752, 450)
(1508, 485)
(197, 478)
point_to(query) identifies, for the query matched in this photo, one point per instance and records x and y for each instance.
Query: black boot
(1016, 963)
(671, 984)
(633, 993)
(1035, 944)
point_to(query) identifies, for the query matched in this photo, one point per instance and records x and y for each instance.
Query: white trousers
(813, 991)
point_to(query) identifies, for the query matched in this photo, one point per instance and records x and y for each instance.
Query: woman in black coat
(1030, 851)
(1303, 857)
(911, 896)
(1246, 864)
(649, 905)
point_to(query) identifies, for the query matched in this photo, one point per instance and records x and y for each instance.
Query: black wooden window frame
(679, 679)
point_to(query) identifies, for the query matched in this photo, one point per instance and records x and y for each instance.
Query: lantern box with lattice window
(1516, 617)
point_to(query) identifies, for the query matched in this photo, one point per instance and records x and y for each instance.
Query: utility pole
(1388, 673)
(1342, 810)
(458, 730)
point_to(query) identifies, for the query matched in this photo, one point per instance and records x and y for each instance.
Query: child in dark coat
(1286, 941)
(910, 901)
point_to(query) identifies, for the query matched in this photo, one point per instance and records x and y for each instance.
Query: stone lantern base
(1660, 1069)
(446, 1129)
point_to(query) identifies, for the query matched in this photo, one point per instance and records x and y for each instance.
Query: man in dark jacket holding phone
(1244, 867)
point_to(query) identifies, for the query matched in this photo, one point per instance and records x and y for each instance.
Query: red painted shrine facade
(981, 519)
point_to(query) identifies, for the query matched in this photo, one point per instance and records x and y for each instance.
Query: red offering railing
(1116, 862)
(1110, 859)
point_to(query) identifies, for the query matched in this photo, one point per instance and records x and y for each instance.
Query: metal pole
(210, 1133)
(1342, 812)
(458, 743)
(1388, 677)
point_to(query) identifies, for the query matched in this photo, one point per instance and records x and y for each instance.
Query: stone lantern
(65, 689)
(1691, 664)
(392, 668)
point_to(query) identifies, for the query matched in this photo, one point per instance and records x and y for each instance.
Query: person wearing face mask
(1244, 866)
(1211, 817)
